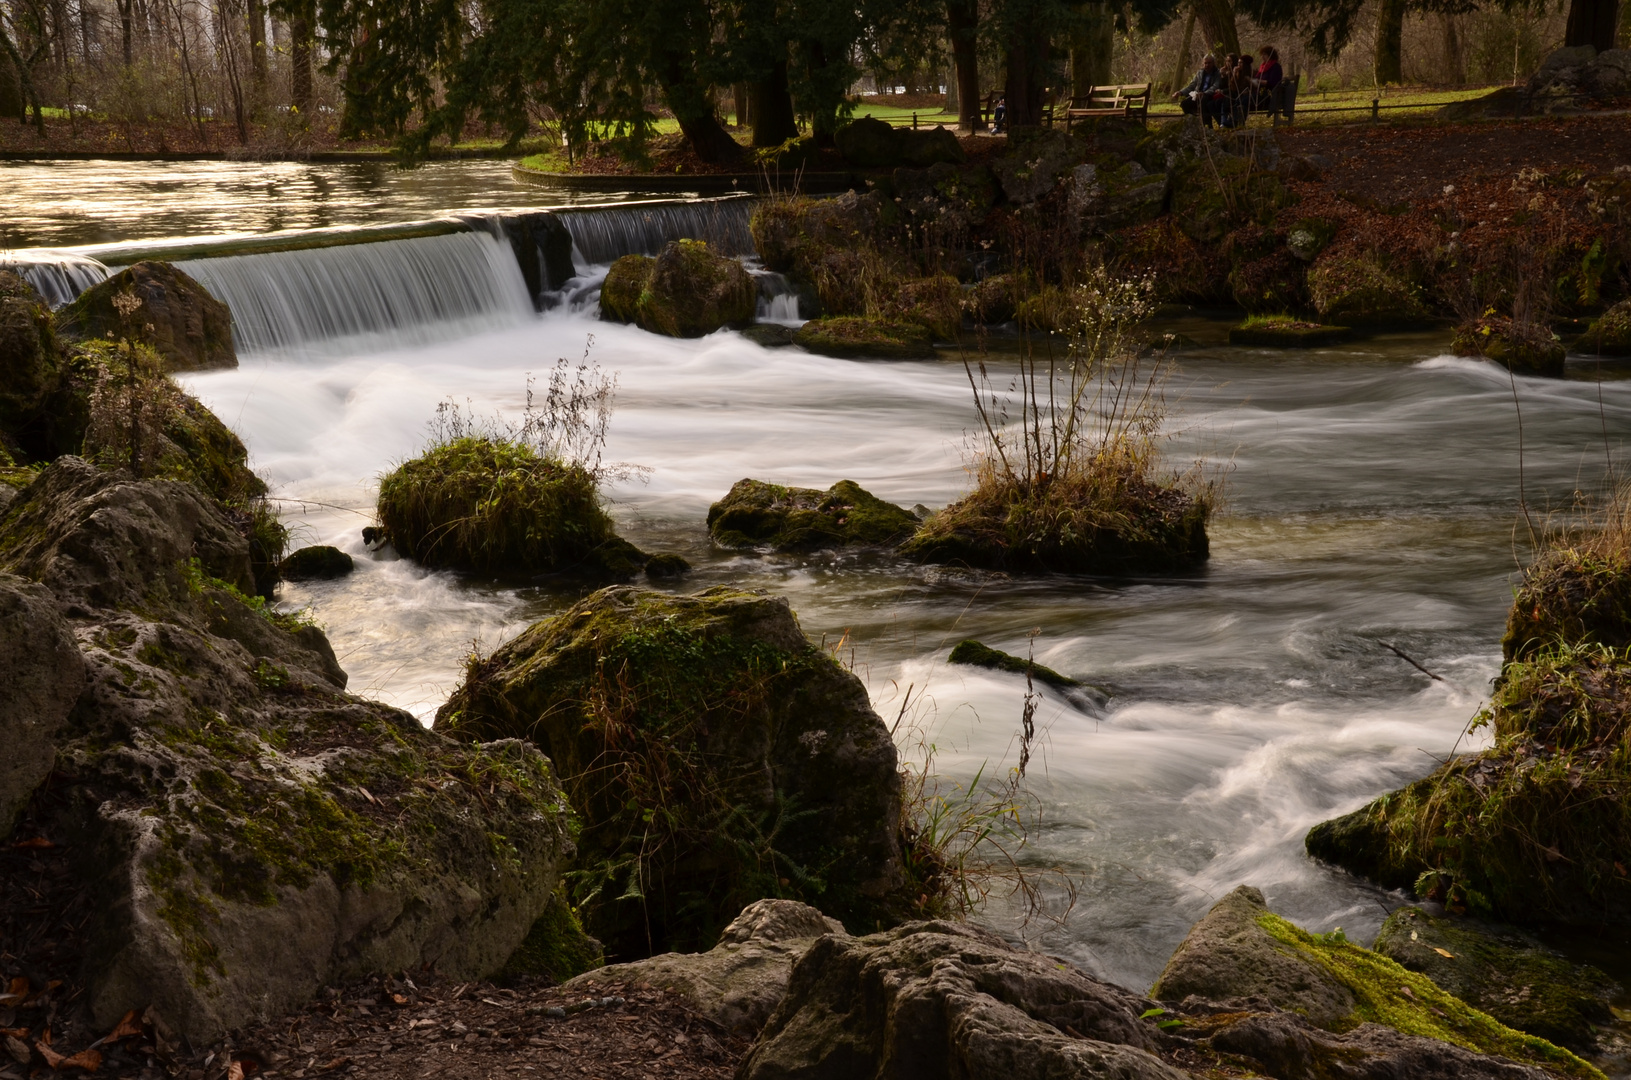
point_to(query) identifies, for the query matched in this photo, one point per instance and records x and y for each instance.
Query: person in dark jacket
(1206, 82)
(1269, 74)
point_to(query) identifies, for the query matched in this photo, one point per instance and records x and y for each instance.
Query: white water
(395, 292)
(601, 235)
(58, 276)
(1373, 499)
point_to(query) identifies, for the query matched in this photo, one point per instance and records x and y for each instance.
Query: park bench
(1283, 100)
(1130, 101)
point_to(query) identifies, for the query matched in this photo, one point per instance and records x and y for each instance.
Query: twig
(1402, 656)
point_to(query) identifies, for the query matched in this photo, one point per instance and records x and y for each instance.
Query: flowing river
(1373, 496)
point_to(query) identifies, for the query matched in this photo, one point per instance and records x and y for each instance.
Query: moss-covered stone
(1183, 270)
(625, 281)
(1213, 196)
(1243, 950)
(1286, 332)
(176, 317)
(869, 143)
(495, 506)
(934, 303)
(556, 947)
(714, 756)
(975, 654)
(995, 299)
(1525, 350)
(666, 567)
(1503, 972)
(1609, 334)
(1570, 595)
(757, 514)
(692, 291)
(317, 563)
(28, 355)
(1534, 829)
(1115, 528)
(854, 337)
(1357, 290)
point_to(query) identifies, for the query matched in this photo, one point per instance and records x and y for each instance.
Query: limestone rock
(41, 675)
(177, 316)
(943, 999)
(739, 982)
(855, 337)
(1609, 334)
(1229, 955)
(318, 563)
(1110, 195)
(251, 832)
(28, 354)
(625, 281)
(702, 741)
(1037, 159)
(804, 519)
(869, 143)
(1504, 972)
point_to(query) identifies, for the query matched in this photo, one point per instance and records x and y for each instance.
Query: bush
(1071, 484)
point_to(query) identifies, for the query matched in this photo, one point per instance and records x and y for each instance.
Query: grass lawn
(1398, 102)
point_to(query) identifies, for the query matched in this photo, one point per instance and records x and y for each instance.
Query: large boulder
(1609, 334)
(172, 313)
(1504, 972)
(714, 755)
(1037, 160)
(869, 143)
(686, 291)
(41, 675)
(28, 354)
(1110, 194)
(856, 337)
(947, 999)
(1527, 350)
(250, 831)
(739, 982)
(755, 513)
(1352, 289)
(1242, 952)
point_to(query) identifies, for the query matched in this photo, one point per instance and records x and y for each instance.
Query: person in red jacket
(1268, 76)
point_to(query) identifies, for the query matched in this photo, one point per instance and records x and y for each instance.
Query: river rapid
(1373, 496)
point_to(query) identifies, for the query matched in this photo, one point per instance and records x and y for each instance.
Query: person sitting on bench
(1268, 77)
(1238, 91)
(999, 116)
(1207, 82)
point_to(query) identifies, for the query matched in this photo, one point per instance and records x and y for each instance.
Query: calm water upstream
(1373, 497)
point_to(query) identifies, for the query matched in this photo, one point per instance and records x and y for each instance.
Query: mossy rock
(1287, 332)
(791, 235)
(757, 514)
(1504, 972)
(1527, 351)
(318, 563)
(1609, 334)
(1310, 236)
(666, 567)
(1243, 950)
(934, 303)
(1136, 527)
(714, 756)
(692, 291)
(1276, 281)
(771, 335)
(491, 505)
(1534, 829)
(625, 281)
(995, 299)
(975, 654)
(1572, 596)
(1357, 290)
(28, 354)
(1184, 271)
(177, 317)
(1211, 198)
(556, 947)
(855, 337)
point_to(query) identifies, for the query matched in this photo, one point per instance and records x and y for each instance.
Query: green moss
(755, 514)
(1358, 290)
(492, 505)
(1609, 334)
(625, 281)
(556, 947)
(1379, 988)
(1213, 196)
(1526, 350)
(974, 653)
(858, 337)
(692, 291)
(1573, 596)
(1286, 331)
(934, 303)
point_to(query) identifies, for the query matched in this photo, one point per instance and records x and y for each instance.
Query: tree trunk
(1592, 22)
(300, 34)
(256, 17)
(963, 19)
(1218, 22)
(1455, 61)
(1091, 47)
(1180, 73)
(125, 29)
(693, 107)
(739, 97)
(1390, 42)
(773, 120)
(1027, 63)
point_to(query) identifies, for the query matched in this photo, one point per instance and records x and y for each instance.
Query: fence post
(1375, 108)
(914, 121)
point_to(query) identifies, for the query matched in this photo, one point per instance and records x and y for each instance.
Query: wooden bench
(1129, 101)
(1283, 100)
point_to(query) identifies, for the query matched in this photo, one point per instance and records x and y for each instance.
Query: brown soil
(1416, 162)
(415, 1025)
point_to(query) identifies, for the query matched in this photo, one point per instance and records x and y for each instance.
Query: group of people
(1227, 95)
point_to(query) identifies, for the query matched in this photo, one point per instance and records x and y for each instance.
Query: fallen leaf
(128, 1026)
(1405, 990)
(89, 1060)
(1622, 1015)
(337, 1063)
(369, 795)
(52, 1058)
(14, 1033)
(398, 999)
(15, 992)
(1444, 952)
(39, 842)
(19, 1050)
(235, 1071)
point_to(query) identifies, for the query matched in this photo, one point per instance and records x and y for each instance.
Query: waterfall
(58, 276)
(601, 234)
(778, 299)
(403, 291)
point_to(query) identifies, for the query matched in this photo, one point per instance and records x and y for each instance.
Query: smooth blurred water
(1373, 497)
